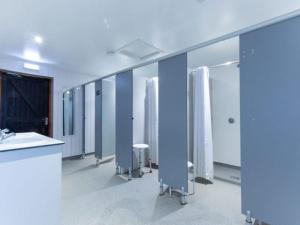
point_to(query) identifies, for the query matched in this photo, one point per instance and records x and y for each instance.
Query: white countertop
(27, 140)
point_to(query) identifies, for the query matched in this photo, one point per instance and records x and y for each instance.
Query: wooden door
(25, 104)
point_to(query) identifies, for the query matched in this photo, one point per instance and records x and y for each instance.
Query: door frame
(50, 100)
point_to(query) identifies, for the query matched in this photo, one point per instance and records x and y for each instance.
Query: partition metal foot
(118, 170)
(97, 161)
(248, 217)
(161, 187)
(170, 191)
(260, 223)
(82, 156)
(183, 197)
(129, 174)
(141, 173)
(150, 164)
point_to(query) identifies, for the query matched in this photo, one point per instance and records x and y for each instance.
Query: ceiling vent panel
(138, 49)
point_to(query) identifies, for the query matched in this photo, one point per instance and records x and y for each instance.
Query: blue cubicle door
(108, 117)
(124, 127)
(98, 119)
(270, 122)
(173, 121)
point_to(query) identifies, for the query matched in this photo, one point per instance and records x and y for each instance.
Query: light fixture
(31, 66)
(38, 39)
(32, 55)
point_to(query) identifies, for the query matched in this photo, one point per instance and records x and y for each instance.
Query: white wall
(225, 103)
(62, 80)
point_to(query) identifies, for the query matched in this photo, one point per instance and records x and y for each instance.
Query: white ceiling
(78, 34)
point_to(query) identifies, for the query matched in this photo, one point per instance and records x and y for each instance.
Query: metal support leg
(260, 223)
(129, 174)
(183, 197)
(97, 161)
(118, 170)
(170, 191)
(194, 179)
(140, 164)
(82, 156)
(161, 187)
(150, 164)
(248, 217)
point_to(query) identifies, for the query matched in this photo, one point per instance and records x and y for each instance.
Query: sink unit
(30, 174)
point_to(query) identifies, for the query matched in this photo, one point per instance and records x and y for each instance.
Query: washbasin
(20, 140)
(26, 140)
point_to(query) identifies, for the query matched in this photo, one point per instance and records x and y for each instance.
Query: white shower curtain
(151, 117)
(203, 147)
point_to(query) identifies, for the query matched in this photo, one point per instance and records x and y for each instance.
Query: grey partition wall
(83, 120)
(173, 122)
(108, 117)
(98, 119)
(78, 128)
(124, 92)
(270, 122)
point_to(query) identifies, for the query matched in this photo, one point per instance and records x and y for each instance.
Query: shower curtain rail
(229, 63)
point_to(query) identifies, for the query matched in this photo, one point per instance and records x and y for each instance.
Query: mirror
(68, 112)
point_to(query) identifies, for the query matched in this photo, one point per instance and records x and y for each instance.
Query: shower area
(214, 112)
(145, 113)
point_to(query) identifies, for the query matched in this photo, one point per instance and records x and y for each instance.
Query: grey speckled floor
(95, 196)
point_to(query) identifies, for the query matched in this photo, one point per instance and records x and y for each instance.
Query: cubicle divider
(77, 144)
(124, 125)
(108, 95)
(89, 108)
(83, 122)
(270, 123)
(173, 154)
(98, 120)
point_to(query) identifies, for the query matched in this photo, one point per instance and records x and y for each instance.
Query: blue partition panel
(270, 122)
(173, 121)
(98, 119)
(124, 127)
(108, 117)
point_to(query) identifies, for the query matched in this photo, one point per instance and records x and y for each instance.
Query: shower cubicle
(270, 123)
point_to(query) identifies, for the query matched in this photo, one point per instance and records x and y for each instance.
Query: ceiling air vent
(138, 49)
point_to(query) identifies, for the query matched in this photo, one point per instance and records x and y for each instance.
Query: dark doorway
(25, 103)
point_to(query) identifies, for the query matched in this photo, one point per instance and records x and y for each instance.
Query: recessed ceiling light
(31, 66)
(138, 49)
(32, 55)
(38, 39)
